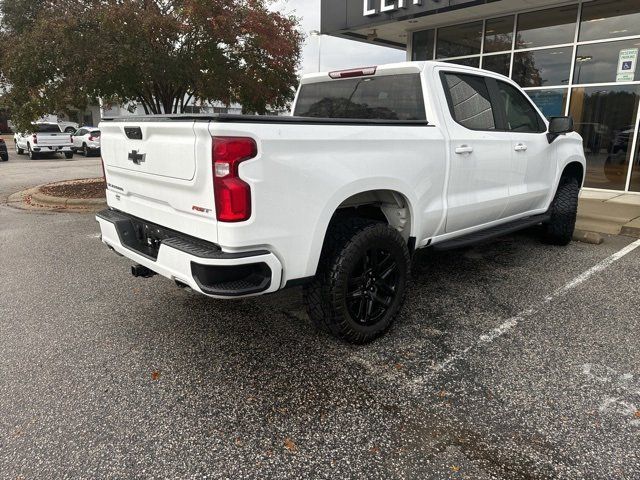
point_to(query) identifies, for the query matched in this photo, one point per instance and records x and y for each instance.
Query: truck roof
(387, 69)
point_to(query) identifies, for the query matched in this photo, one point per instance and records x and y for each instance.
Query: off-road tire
(564, 211)
(68, 155)
(348, 241)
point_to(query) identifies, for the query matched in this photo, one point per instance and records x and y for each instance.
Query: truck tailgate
(167, 149)
(53, 139)
(161, 171)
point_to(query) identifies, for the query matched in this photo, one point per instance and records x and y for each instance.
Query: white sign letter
(368, 11)
(388, 7)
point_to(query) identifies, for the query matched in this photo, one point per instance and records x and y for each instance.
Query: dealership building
(574, 58)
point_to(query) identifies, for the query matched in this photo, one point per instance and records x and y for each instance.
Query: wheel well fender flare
(342, 195)
(574, 169)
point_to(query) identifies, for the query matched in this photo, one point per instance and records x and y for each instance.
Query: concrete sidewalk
(611, 213)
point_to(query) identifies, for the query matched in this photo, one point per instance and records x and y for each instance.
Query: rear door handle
(521, 147)
(462, 149)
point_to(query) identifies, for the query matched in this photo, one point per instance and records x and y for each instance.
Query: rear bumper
(51, 149)
(203, 266)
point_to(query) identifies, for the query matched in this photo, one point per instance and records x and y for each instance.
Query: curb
(592, 238)
(43, 202)
(38, 197)
(630, 231)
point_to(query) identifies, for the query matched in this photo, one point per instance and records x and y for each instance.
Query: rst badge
(137, 158)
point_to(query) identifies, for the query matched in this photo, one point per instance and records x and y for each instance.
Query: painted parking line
(513, 322)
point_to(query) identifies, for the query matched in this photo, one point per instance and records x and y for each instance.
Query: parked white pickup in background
(45, 138)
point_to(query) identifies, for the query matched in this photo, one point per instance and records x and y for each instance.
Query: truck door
(480, 154)
(534, 162)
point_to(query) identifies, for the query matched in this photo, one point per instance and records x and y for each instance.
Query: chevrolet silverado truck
(374, 164)
(44, 138)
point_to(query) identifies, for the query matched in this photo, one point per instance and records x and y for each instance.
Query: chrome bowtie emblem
(137, 158)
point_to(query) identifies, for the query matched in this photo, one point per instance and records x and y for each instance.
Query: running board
(491, 233)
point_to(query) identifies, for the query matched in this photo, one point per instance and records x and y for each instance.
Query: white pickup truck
(44, 138)
(374, 164)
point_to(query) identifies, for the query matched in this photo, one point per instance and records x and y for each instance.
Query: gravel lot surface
(502, 365)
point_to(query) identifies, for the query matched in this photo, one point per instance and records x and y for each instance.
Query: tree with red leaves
(160, 53)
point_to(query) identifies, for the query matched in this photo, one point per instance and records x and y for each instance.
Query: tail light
(232, 195)
(70, 138)
(91, 139)
(35, 139)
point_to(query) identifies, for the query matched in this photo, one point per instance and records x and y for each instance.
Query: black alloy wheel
(372, 286)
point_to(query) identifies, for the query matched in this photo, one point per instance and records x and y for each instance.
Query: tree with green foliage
(160, 53)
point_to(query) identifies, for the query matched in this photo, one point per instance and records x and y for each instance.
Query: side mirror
(559, 126)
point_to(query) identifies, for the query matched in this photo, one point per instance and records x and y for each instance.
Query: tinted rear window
(397, 97)
(469, 101)
(95, 133)
(47, 128)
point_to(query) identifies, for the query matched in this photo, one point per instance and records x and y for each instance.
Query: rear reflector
(357, 72)
(232, 194)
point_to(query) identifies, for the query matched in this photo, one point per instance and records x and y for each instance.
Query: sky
(337, 53)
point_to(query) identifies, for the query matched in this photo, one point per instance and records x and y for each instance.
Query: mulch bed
(94, 188)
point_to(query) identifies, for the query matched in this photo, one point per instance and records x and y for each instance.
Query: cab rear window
(392, 97)
(46, 128)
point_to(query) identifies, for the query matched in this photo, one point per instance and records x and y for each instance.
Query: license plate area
(146, 238)
(140, 236)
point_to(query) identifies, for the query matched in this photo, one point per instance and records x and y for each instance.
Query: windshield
(393, 97)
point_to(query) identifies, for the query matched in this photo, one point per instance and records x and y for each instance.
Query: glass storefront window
(610, 19)
(554, 26)
(467, 62)
(539, 68)
(598, 62)
(608, 36)
(552, 102)
(497, 63)
(498, 35)
(605, 117)
(459, 40)
(423, 43)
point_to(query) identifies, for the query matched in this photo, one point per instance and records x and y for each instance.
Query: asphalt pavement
(510, 360)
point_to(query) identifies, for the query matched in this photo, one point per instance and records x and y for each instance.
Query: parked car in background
(375, 163)
(45, 138)
(68, 127)
(87, 141)
(4, 154)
